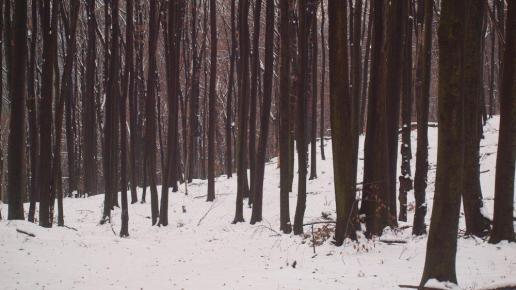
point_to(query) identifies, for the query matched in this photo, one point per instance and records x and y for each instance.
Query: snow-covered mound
(201, 249)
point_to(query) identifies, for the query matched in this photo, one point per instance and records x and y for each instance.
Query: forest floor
(201, 249)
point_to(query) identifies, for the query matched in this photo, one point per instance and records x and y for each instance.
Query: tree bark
(266, 111)
(242, 186)
(284, 110)
(48, 21)
(16, 178)
(341, 105)
(442, 238)
(503, 227)
(424, 58)
(212, 103)
(304, 20)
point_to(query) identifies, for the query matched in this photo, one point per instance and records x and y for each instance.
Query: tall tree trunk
(394, 64)
(266, 111)
(1, 98)
(476, 223)
(284, 111)
(32, 112)
(304, 20)
(255, 75)
(195, 125)
(48, 16)
(130, 87)
(503, 227)
(341, 105)
(242, 187)
(442, 237)
(229, 102)
(355, 55)
(424, 58)
(127, 93)
(313, 127)
(16, 178)
(65, 96)
(375, 194)
(111, 127)
(323, 81)
(150, 130)
(212, 123)
(89, 117)
(405, 178)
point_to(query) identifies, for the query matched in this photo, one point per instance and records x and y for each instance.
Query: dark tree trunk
(266, 110)
(111, 127)
(48, 21)
(323, 81)
(89, 117)
(150, 130)
(476, 223)
(424, 58)
(355, 55)
(284, 111)
(503, 227)
(405, 178)
(130, 88)
(375, 194)
(442, 237)
(127, 93)
(313, 127)
(393, 84)
(65, 96)
(341, 105)
(32, 113)
(195, 122)
(365, 71)
(1, 98)
(212, 123)
(173, 38)
(229, 103)
(255, 75)
(16, 178)
(242, 187)
(304, 20)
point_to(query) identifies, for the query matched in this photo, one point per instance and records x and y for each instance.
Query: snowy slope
(201, 249)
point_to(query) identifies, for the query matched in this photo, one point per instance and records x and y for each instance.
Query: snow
(211, 253)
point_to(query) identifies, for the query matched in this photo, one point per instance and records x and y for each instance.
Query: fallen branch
(393, 241)
(71, 228)
(26, 233)
(319, 222)
(276, 233)
(205, 214)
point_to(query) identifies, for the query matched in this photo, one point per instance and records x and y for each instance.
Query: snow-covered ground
(201, 249)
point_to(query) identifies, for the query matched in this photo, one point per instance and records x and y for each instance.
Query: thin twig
(205, 214)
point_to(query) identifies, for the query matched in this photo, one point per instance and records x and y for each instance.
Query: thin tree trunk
(48, 21)
(503, 227)
(32, 112)
(405, 178)
(313, 128)
(255, 69)
(284, 110)
(150, 130)
(242, 187)
(323, 79)
(304, 20)
(212, 123)
(424, 58)
(266, 111)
